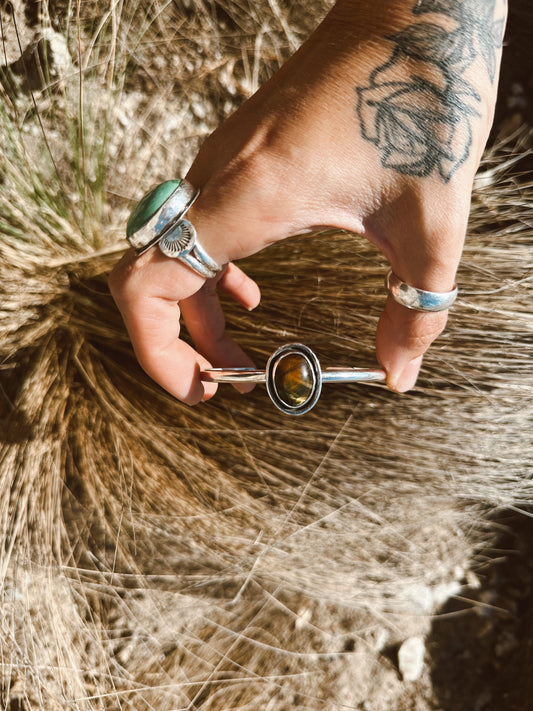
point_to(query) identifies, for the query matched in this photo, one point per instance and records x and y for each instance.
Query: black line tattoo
(418, 107)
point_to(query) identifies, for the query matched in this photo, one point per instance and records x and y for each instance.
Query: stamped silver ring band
(181, 242)
(159, 219)
(418, 299)
(293, 377)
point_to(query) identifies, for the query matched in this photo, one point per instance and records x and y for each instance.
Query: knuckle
(423, 330)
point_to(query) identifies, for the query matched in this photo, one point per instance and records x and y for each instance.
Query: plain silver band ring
(418, 299)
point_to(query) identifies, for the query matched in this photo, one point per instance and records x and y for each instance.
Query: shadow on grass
(482, 645)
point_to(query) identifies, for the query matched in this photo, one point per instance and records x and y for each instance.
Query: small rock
(380, 637)
(411, 658)
(57, 51)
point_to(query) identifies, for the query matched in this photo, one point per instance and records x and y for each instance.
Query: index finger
(147, 291)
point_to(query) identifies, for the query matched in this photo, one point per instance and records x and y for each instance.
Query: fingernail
(407, 377)
(209, 391)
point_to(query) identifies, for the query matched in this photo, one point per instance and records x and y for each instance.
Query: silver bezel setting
(165, 218)
(314, 367)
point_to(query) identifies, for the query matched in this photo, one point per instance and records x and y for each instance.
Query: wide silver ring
(418, 299)
(293, 377)
(181, 242)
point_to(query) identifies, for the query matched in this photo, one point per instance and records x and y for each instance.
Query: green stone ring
(158, 211)
(293, 377)
(158, 219)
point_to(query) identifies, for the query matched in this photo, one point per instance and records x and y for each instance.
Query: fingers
(149, 292)
(204, 318)
(402, 338)
(424, 241)
(153, 324)
(240, 287)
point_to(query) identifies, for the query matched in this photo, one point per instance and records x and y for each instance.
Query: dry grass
(225, 557)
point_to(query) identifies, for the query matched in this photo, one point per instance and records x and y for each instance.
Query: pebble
(411, 658)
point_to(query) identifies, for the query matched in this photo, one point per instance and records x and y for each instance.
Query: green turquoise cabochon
(150, 204)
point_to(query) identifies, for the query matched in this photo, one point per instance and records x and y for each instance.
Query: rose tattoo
(417, 107)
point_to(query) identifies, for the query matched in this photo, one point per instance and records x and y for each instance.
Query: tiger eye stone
(150, 204)
(293, 380)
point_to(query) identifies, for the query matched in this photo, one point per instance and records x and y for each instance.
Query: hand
(376, 125)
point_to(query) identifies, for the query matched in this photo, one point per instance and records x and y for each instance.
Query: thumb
(403, 336)
(424, 253)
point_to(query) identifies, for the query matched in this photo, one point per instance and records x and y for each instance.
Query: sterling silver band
(353, 375)
(181, 242)
(233, 375)
(418, 299)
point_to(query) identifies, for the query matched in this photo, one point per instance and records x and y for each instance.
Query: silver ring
(158, 219)
(158, 211)
(293, 377)
(181, 242)
(418, 299)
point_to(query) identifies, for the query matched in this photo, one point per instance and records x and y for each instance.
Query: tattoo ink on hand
(418, 106)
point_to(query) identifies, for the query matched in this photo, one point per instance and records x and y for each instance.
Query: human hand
(376, 126)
